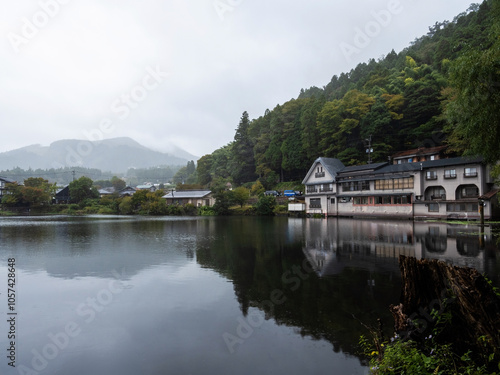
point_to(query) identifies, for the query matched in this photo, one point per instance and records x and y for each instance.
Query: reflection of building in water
(460, 245)
(335, 244)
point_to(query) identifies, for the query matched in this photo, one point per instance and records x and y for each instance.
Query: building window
(326, 187)
(355, 186)
(311, 189)
(435, 192)
(360, 201)
(384, 184)
(391, 200)
(470, 172)
(402, 199)
(315, 203)
(450, 173)
(332, 201)
(319, 172)
(470, 192)
(432, 157)
(433, 207)
(431, 175)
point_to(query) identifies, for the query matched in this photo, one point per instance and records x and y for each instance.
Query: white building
(439, 188)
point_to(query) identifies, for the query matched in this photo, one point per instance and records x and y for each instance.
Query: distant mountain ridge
(115, 155)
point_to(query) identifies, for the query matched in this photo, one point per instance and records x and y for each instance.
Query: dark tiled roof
(188, 194)
(489, 194)
(452, 161)
(411, 167)
(6, 180)
(400, 169)
(332, 165)
(364, 167)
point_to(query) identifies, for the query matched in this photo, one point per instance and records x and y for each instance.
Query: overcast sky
(182, 71)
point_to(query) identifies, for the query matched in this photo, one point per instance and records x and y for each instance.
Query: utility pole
(369, 150)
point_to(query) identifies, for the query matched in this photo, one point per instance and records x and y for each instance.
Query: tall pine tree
(243, 163)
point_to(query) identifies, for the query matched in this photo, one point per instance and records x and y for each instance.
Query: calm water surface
(127, 295)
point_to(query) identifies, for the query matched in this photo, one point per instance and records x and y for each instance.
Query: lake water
(242, 295)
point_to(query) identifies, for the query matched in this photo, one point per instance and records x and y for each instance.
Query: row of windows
(416, 159)
(454, 207)
(396, 183)
(319, 188)
(388, 199)
(451, 173)
(397, 200)
(355, 186)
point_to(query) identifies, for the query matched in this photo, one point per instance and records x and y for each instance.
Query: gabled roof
(106, 191)
(6, 180)
(63, 192)
(331, 165)
(127, 188)
(187, 194)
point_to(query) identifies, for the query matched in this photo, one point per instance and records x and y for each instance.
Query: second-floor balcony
(319, 174)
(325, 188)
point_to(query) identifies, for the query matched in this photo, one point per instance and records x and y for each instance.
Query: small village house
(197, 198)
(3, 186)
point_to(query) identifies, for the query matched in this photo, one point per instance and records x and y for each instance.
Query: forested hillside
(400, 101)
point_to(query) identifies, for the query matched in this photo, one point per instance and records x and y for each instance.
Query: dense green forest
(401, 101)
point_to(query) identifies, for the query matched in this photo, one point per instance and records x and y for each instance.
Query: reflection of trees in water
(259, 258)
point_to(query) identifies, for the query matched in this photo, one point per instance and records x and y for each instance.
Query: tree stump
(470, 302)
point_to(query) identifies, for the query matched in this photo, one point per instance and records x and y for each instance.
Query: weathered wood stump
(462, 296)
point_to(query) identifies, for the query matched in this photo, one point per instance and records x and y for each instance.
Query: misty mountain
(115, 154)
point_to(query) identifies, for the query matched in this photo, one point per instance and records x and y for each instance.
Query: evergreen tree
(243, 163)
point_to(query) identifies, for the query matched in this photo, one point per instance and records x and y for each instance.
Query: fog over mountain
(115, 154)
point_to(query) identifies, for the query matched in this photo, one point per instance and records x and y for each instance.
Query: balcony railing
(431, 177)
(319, 174)
(314, 205)
(450, 176)
(470, 174)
